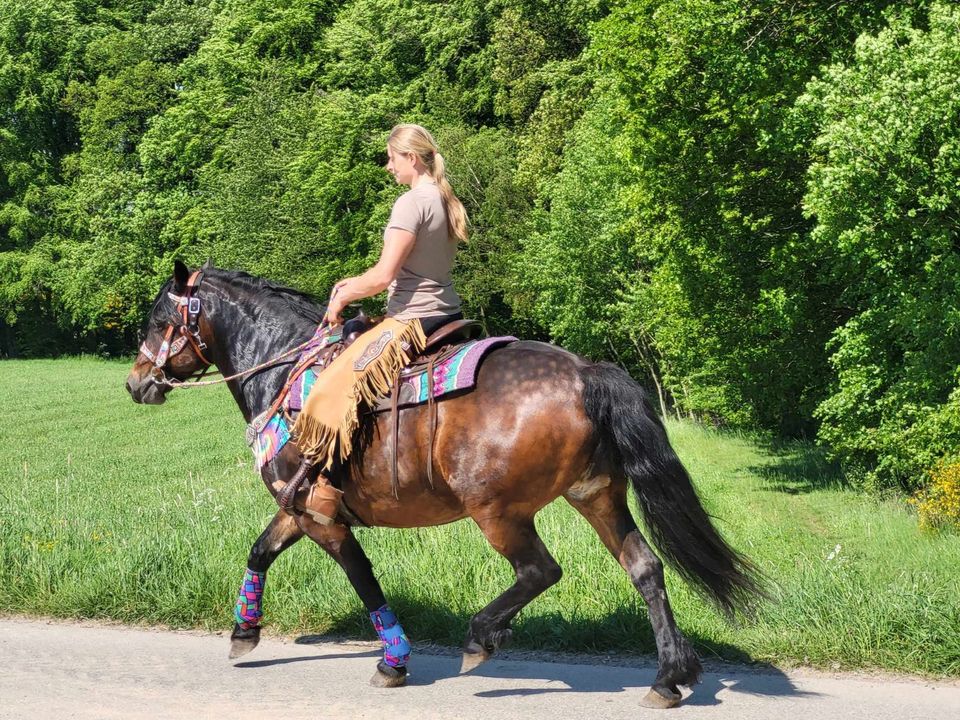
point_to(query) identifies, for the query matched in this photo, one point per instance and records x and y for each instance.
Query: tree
(885, 195)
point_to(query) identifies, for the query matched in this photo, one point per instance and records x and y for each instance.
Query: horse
(541, 423)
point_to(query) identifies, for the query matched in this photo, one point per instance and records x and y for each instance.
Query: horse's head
(173, 339)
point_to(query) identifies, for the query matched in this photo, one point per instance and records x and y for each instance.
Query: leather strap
(431, 420)
(305, 363)
(395, 420)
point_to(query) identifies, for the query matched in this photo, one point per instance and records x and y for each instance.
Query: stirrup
(322, 503)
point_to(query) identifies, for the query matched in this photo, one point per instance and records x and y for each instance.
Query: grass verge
(115, 510)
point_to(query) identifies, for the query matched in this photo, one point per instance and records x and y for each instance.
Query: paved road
(65, 670)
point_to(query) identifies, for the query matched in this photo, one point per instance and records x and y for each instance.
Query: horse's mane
(302, 304)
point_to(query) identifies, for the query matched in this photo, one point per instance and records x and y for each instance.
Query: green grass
(146, 514)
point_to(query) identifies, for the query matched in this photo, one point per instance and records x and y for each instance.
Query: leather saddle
(441, 343)
(453, 333)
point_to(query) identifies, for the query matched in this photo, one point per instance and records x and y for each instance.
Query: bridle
(188, 330)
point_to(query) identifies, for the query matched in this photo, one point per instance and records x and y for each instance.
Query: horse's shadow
(431, 666)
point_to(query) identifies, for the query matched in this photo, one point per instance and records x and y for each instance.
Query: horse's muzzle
(144, 390)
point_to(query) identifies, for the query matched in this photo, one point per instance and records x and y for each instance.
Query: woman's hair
(416, 139)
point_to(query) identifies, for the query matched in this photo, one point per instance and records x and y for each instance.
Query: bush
(938, 504)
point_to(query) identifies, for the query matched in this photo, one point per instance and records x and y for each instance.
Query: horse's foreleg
(280, 534)
(342, 546)
(536, 570)
(604, 505)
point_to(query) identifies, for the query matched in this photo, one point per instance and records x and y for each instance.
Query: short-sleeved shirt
(423, 287)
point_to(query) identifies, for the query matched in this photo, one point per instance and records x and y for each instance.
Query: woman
(419, 245)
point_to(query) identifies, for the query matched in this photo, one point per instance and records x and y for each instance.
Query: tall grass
(146, 514)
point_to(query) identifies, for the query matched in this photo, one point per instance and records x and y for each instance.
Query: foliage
(885, 195)
(252, 133)
(710, 283)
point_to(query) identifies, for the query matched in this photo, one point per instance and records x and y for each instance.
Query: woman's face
(401, 166)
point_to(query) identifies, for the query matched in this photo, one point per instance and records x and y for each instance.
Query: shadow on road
(425, 620)
(427, 669)
(303, 658)
(607, 679)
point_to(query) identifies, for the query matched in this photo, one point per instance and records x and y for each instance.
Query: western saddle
(440, 344)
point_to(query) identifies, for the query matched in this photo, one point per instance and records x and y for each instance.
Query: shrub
(938, 504)
(884, 193)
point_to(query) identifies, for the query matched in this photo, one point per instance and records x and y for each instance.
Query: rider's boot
(322, 502)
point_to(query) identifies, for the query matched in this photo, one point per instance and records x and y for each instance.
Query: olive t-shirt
(423, 287)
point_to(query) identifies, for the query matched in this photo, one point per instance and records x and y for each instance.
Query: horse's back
(522, 433)
(515, 442)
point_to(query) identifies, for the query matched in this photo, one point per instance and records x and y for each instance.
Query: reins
(228, 378)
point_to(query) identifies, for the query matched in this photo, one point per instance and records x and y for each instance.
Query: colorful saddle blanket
(455, 373)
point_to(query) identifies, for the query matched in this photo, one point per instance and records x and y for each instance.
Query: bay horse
(541, 423)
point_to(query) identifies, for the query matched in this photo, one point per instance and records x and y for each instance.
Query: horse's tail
(633, 437)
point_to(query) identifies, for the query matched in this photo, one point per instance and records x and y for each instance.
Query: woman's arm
(397, 245)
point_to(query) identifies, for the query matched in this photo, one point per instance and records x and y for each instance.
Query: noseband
(188, 305)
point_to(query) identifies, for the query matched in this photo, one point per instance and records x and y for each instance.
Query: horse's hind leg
(604, 504)
(281, 533)
(517, 540)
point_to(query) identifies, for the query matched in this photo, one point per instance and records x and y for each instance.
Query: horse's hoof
(474, 655)
(389, 677)
(661, 699)
(240, 647)
(243, 641)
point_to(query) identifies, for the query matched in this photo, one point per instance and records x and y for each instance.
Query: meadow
(146, 515)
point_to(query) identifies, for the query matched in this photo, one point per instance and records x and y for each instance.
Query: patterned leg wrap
(396, 647)
(247, 610)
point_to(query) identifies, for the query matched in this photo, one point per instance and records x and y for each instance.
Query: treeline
(753, 204)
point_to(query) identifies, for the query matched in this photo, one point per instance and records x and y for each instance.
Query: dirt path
(69, 670)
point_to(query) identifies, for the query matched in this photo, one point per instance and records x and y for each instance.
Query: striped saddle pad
(457, 372)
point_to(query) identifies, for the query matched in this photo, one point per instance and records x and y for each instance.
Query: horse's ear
(208, 265)
(181, 275)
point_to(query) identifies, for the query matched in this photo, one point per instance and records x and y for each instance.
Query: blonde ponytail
(409, 138)
(456, 212)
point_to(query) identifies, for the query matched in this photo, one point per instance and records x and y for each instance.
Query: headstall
(188, 328)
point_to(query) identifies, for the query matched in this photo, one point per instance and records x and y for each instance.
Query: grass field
(146, 514)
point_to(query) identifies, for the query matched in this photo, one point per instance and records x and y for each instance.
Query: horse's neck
(247, 337)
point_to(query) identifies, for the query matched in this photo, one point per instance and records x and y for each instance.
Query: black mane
(302, 304)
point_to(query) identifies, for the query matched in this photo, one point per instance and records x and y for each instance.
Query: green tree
(718, 286)
(885, 193)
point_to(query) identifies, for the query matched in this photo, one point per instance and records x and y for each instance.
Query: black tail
(635, 440)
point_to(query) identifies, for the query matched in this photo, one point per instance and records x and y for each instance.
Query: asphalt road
(68, 670)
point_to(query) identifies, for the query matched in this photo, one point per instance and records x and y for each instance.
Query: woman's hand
(338, 301)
